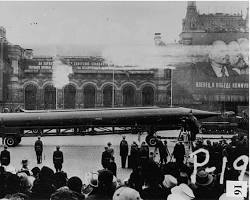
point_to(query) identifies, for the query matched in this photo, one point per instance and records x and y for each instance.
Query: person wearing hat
(123, 151)
(182, 191)
(58, 159)
(205, 186)
(126, 193)
(25, 168)
(105, 158)
(105, 189)
(179, 153)
(5, 156)
(39, 150)
(134, 156)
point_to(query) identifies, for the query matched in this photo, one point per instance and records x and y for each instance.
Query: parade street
(82, 154)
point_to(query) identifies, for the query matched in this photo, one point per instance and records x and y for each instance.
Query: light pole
(113, 88)
(171, 84)
(1, 70)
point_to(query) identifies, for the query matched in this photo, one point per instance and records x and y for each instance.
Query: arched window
(50, 97)
(69, 97)
(128, 96)
(89, 96)
(108, 96)
(147, 96)
(30, 93)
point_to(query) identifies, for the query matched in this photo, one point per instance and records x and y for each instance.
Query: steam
(60, 73)
(150, 56)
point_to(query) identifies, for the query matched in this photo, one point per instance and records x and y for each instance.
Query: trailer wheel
(151, 140)
(10, 141)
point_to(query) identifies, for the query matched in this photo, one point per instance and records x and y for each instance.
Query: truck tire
(151, 140)
(10, 141)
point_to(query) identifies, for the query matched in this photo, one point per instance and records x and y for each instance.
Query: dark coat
(58, 157)
(5, 157)
(105, 158)
(179, 151)
(123, 148)
(112, 167)
(38, 146)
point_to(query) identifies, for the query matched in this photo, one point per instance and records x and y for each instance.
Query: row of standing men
(57, 155)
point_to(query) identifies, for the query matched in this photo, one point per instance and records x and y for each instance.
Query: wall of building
(204, 38)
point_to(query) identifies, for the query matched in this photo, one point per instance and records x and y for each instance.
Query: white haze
(60, 73)
(150, 56)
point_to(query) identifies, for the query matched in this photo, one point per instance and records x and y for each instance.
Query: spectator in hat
(105, 158)
(43, 186)
(204, 186)
(153, 180)
(137, 179)
(75, 184)
(169, 181)
(126, 193)
(58, 159)
(182, 191)
(25, 168)
(35, 172)
(123, 151)
(26, 182)
(39, 150)
(5, 156)
(105, 188)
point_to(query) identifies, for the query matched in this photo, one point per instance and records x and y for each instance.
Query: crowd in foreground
(168, 179)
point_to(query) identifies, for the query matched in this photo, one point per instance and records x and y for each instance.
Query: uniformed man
(39, 150)
(110, 149)
(123, 151)
(106, 158)
(58, 159)
(5, 156)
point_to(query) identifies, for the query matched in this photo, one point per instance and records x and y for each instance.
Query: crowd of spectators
(166, 179)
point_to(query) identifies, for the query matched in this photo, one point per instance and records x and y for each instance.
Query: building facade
(204, 29)
(200, 84)
(29, 83)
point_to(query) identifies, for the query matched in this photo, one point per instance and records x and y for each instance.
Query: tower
(191, 20)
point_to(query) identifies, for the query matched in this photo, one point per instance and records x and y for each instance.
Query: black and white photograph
(124, 100)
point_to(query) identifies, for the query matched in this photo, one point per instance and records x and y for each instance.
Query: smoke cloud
(60, 73)
(150, 56)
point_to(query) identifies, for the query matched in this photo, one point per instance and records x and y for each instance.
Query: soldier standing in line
(123, 151)
(58, 159)
(110, 149)
(5, 156)
(39, 150)
(105, 158)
